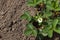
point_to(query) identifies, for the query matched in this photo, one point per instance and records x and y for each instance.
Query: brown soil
(11, 26)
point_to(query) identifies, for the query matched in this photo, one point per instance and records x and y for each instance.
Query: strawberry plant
(46, 21)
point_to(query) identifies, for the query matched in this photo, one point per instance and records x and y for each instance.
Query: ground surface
(11, 26)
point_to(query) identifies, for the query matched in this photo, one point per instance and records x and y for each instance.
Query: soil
(11, 26)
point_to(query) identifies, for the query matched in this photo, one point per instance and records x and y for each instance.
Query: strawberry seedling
(45, 22)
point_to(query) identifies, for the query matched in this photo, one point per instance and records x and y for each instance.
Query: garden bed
(11, 26)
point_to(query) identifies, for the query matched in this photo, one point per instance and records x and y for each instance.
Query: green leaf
(30, 2)
(33, 2)
(48, 2)
(57, 3)
(46, 30)
(34, 33)
(57, 9)
(50, 33)
(55, 21)
(48, 27)
(57, 30)
(47, 13)
(30, 26)
(23, 16)
(50, 7)
(38, 1)
(26, 16)
(27, 32)
(30, 30)
(44, 34)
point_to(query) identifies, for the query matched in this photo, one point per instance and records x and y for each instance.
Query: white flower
(39, 20)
